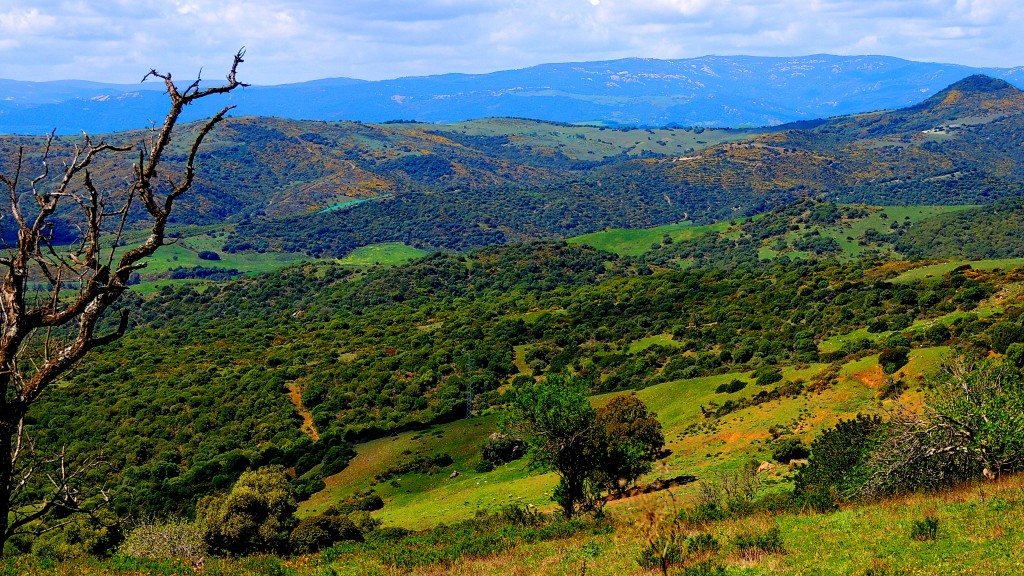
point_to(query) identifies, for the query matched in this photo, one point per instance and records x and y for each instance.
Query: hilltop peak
(981, 83)
(976, 93)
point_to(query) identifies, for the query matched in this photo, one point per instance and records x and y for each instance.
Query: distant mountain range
(712, 91)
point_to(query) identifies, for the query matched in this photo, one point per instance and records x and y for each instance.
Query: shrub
(971, 425)
(790, 449)
(892, 359)
(337, 458)
(1003, 334)
(315, 533)
(891, 388)
(93, 534)
(661, 553)
(308, 486)
(702, 543)
(208, 255)
(256, 516)
(938, 334)
(770, 377)
(484, 465)
(500, 449)
(170, 540)
(926, 529)
(837, 465)
(1015, 354)
(360, 502)
(768, 542)
(878, 325)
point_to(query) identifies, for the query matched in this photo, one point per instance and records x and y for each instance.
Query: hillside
(325, 189)
(721, 91)
(372, 353)
(349, 376)
(959, 147)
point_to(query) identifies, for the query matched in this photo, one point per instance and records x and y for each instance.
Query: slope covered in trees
(199, 390)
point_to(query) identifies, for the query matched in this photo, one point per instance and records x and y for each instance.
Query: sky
(297, 40)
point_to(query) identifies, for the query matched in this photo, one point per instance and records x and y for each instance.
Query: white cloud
(293, 40)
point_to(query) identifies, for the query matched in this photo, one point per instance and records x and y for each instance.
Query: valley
(337, 293)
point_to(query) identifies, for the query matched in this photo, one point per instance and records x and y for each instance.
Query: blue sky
(297, 40)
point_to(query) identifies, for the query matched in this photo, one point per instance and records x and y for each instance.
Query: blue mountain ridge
(712, 91)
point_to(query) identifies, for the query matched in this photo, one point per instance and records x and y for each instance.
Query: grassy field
(387, 254)
(847, 233)
(699, 446)
(935, 271)
(978, 534)
(633, 242)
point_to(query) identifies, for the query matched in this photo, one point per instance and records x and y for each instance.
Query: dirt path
(295, 395)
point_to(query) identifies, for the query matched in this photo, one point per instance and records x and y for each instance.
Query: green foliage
(769, 541)
(557, 422)
(892, 359)
(486, 534)
(95, 534)
(500, 449)
(1003, 334)
(972, 424)
(632, 438)
(837, 466)
(315, 533)
(257, 515)
(993, 231)
(788, 449)
(768, 377)
(360, 502)
(925, 529)
(425, 464)
(1015, 354)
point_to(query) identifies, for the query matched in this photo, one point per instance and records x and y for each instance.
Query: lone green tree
(63, 226)
(590, 450)
(557, 422)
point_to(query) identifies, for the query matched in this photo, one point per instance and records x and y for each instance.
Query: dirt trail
(295, 395)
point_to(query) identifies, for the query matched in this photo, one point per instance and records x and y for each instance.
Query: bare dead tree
(53, 296)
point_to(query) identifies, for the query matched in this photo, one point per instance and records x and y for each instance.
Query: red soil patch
(295, 395)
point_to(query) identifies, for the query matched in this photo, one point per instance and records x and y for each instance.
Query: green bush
(892, 359)
(769, 377)
(308, 486)
(337, 458)
(702, 543)
(256, 516)
(769, 541)
(926, 529)
(788, 449)
(315, 533)
(837, 465)
(1015, 354)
